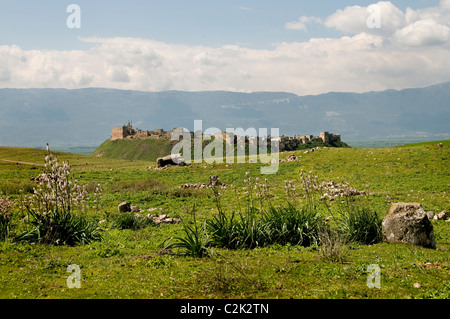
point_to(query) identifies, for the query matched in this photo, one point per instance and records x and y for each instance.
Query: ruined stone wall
(118, 133)
(329, 138)
(286, 143)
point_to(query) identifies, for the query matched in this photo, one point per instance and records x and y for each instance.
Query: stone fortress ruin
(286, 143)
(128, 132)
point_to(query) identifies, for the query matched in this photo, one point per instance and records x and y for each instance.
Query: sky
(302, 47)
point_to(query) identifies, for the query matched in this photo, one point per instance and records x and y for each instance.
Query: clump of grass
(60, 228)
(223, 230)
(291, 225)
(130, 220)
(361, 225)
(194, 243)
(332, 244)
(267, 226)
(51, 208)
(283, 225)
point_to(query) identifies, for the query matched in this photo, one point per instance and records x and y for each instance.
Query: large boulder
(175, 159)
(408, 223)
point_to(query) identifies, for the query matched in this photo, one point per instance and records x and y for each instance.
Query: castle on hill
(286, 143)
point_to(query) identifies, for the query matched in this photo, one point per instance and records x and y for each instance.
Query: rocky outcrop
(408, 223)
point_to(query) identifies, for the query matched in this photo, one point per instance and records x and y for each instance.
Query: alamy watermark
(256, 140)
(73, 21)
(374, 278)
(374, 19)
(74, 280)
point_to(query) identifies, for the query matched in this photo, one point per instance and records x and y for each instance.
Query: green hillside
(135, 149)
(151, 149)
(444, 143)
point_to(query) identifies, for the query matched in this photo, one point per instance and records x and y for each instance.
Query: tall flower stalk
(51, 206)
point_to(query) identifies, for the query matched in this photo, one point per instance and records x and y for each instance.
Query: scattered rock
(163, 219)
(290, 158)
(408, 223)
(430, 215)
(124, 207)
(214, 181)
(444, 215)
(135, 209)
(151, 168)
(334, 190)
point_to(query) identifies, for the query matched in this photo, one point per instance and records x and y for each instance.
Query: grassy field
(130, 263)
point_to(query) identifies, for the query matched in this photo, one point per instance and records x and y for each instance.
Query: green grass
(433, 143)
(132, 263)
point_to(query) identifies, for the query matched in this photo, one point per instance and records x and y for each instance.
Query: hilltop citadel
(287, 143)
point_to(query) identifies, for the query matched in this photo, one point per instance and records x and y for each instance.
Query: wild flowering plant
(97, 196)
(310, 184)
(51, 208)
(56, 191)
(5, 216)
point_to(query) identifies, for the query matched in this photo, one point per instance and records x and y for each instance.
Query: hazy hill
(61, 117)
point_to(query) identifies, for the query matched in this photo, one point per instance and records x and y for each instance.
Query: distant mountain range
(84, 117)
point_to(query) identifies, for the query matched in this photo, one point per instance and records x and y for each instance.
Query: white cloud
(364, 61)
(423, 32)
(301, 23)
(353, 19)
(445, 4)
